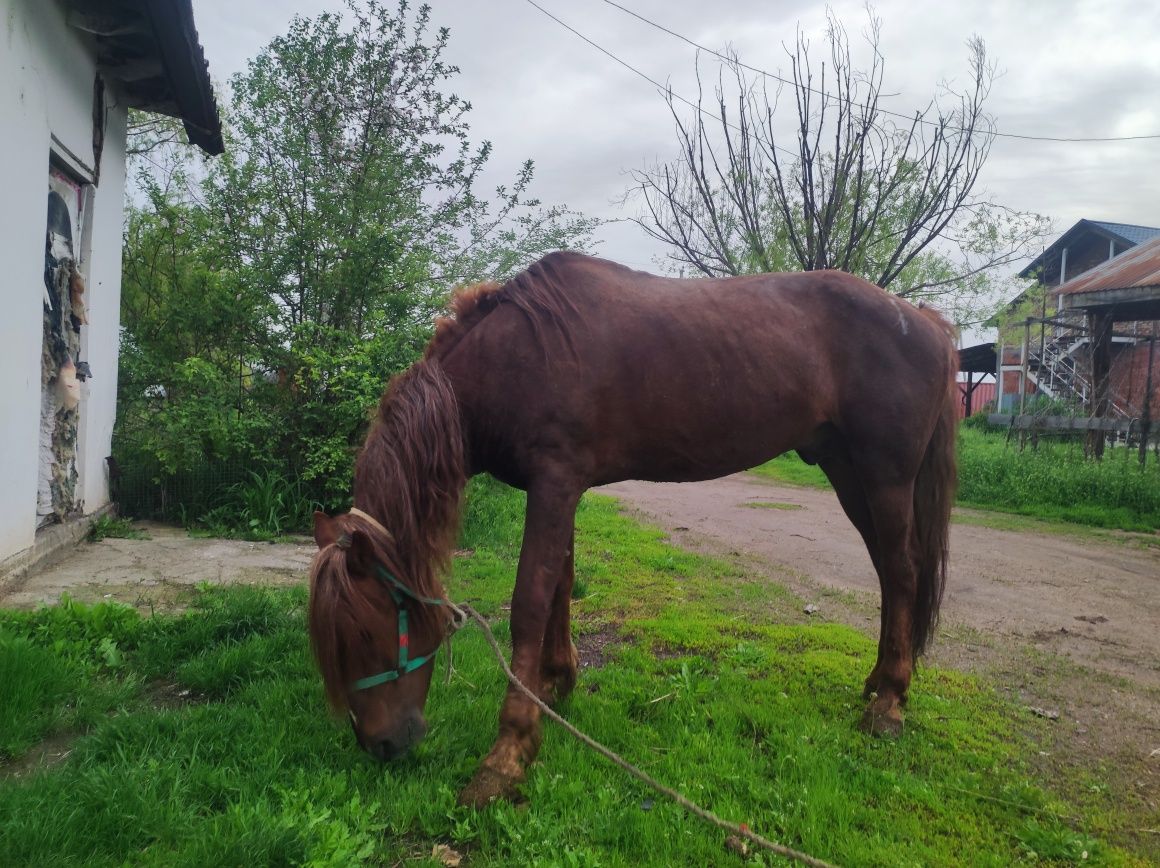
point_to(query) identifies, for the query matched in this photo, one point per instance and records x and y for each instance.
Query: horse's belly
(692, 446)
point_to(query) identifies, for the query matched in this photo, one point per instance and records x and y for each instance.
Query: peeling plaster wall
(47, 71)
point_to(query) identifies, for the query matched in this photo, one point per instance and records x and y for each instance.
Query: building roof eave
(150, 48)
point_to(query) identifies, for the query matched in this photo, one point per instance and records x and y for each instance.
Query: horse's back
(633, 375)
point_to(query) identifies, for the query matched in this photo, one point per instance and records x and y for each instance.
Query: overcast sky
(1068, 69)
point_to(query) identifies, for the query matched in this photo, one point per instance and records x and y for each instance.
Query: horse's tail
(934, 494)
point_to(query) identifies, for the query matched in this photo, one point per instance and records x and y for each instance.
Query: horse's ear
(360, 558)
(326, 529)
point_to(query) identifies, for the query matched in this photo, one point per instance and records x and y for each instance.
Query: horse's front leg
(559, 662)
(546, 550)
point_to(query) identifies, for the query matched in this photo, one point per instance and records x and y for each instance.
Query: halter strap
(399, 592)
(370, 519)
(390, 579)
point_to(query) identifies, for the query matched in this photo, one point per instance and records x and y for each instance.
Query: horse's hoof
(557, 686)
(882, 722)
(487, 786)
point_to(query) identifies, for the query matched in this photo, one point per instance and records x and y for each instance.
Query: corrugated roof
(1137, 267)
(1128, 231)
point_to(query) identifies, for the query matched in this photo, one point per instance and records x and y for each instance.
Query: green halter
(399, 593)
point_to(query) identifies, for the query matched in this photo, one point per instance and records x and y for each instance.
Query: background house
(69, 72)
(1058, 355)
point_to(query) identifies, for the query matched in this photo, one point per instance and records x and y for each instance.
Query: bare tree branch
(830, 180)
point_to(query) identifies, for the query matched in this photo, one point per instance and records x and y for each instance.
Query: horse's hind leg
(892, 509)
(559, 661)
(836, 464)
(547, 543)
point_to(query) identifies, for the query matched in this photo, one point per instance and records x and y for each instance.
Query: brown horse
(580, 372)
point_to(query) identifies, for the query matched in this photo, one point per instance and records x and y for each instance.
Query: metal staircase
(1058, 375)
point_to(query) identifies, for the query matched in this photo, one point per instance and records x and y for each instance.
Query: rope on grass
(739, 830)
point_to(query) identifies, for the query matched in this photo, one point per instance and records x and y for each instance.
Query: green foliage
(33, 681)
(1031, 302)
(268, 298)
(75, 631)
(56, 668)
(262, 506)
(705, 684)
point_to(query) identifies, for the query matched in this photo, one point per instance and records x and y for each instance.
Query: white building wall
(47, 71)
(102, 341)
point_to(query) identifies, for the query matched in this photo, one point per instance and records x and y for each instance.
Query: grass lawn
(202, 739)
(1053, 483)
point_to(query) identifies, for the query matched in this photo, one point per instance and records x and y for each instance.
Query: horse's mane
(410, 475)
(542, 292)
(348, 625)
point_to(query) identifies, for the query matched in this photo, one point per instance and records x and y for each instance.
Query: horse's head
(373, 635)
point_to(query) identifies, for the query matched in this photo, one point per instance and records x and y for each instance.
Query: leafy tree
(854, 186)
(278, 291)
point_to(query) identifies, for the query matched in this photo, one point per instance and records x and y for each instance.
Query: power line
(646, 77)
(784, 80)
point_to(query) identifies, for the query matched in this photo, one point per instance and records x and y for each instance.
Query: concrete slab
(159, 571)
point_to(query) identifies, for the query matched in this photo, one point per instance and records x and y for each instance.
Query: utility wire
(664, 88)
(822, 93)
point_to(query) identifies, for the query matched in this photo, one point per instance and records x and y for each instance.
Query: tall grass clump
(261, 506)
(1056, 481)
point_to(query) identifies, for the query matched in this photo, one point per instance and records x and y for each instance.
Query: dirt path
(1094, 602)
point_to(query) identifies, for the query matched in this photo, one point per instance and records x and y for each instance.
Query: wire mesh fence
(229, 495)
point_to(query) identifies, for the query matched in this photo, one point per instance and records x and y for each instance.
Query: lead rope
(458, 622)
(465, 611)
(460, 616)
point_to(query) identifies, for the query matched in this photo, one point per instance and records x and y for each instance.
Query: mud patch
(594, 648)
(45, 755)
(170, 696)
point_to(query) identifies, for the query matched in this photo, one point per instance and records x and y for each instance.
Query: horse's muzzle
(394, 745)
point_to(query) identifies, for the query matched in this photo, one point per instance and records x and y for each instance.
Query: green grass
(790, 469)
(1054, 483)
(210, 744)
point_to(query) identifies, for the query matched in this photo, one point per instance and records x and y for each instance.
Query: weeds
(264, 506)
(114, 527)
(1056, 481)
